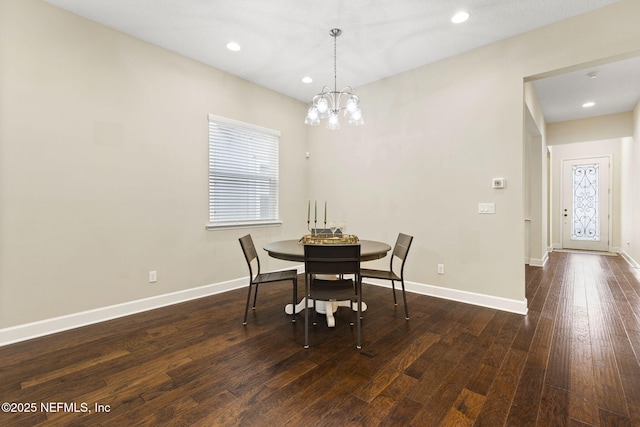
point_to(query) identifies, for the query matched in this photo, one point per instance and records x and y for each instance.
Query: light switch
(486, 208)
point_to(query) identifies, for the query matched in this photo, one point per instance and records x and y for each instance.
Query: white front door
(585, 204)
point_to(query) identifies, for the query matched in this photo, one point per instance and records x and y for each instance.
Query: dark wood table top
(293, 250)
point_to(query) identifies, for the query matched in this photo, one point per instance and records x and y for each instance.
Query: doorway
(585, 203)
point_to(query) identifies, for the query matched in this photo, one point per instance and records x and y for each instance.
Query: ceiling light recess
(460, 17)
(329, 103)
(233, 46)
(588, 104)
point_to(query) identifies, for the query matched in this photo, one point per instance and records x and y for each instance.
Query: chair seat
(276, 276)
(336, 290)
(378, 274)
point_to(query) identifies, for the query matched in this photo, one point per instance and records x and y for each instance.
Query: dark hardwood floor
(573, 360)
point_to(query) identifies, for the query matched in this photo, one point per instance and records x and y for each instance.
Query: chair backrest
(332, 259)
(401, 249)
(250, 253)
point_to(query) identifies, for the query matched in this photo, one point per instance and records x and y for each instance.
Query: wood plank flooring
(572, 361)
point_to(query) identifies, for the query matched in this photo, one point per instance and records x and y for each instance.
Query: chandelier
(329, 103)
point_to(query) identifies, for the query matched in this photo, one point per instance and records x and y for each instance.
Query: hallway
(588, 308)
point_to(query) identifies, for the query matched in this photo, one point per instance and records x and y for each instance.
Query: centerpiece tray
(329, 239)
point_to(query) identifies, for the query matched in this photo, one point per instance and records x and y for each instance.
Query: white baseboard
(40, 328)
(536, 262)
(28, 331)
(482, 300)
(632, 262)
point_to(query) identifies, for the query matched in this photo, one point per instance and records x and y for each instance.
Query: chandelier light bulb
(322, 105)
(312, 118)
(352, 105)
(333, 123)
(356, 118)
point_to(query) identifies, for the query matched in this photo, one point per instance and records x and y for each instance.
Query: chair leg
(351, 312)
(306, 327)
(393, 288)
(315, 313)
(255, 297)
(306, 311)
(404, 296)
(295, 298)
(246, 308)
(359, 325)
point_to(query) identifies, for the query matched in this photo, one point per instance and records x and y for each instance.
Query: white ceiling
(615, 89)
(285, 40)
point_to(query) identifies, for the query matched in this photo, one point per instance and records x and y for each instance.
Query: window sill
(234, 225)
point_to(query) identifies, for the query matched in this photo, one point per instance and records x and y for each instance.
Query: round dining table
(293, 250)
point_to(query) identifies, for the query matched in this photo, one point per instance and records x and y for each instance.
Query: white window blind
(243, 174)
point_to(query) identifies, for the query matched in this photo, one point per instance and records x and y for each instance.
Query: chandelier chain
(335, 61)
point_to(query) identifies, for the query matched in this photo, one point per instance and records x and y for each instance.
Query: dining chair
(252, 258)
(400, 251)
(338, 260)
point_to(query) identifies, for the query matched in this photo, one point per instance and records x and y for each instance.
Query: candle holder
(313, 230)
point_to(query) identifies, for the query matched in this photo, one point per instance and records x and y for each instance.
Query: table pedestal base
(324, 307)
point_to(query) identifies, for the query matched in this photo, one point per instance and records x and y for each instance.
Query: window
(586, 220)
(243, 174)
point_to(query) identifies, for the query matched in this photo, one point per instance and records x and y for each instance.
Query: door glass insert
(586, 219)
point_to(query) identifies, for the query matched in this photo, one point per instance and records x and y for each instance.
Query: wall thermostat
(498, 183)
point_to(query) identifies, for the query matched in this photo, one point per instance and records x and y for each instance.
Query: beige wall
(428, 152)
(103, 160)
(535, 180)
(436, 136)
(593, 129)
(103, 166)
(630, 228)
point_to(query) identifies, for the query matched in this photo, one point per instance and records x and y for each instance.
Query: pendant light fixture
(329, 103)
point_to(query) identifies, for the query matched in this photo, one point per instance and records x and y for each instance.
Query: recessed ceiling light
(460, 17)
(233, 46)
(307, 79)
(588, 104)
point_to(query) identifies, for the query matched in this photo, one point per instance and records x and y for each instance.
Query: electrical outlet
(153, 276)
(440, 268)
